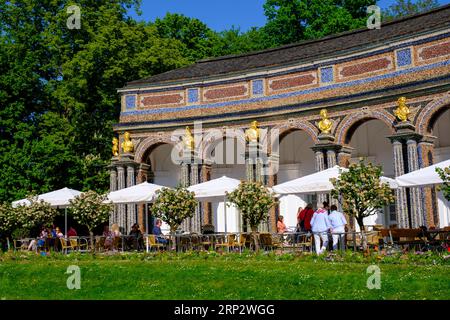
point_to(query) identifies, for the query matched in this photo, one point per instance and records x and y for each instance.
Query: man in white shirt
(320, 224)
(338, 222)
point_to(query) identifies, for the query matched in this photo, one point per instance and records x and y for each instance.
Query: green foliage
(290, 21)
(445, 176)
(361, 192)
(173, 206)
(89, 209)
(407, 7)
(254, 201)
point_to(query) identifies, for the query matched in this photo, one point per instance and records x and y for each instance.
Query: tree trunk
(8, 243)
(255, 238)
(91, 235)
(363, 233)
(173, 232)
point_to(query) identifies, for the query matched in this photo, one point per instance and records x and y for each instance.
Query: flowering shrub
(38, 212)
(360, 191)
(254, 201)
(174, 205)
(8, 219)
(445, 176)
(89, 209)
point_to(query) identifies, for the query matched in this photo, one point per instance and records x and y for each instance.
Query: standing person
(338, 222)
(305, 217)
(320, 224)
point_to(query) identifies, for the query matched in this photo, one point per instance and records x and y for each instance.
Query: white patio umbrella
(423, 177)
(318, 182)
(215, 190)
(142, 193)
(57, 199)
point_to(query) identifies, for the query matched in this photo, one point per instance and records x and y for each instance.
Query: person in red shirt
(72, 232)
(304, 218)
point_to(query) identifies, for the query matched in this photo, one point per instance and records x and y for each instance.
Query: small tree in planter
(254, 202)
(361, 193)
(445, 176)
(89, 209)
(173, 206)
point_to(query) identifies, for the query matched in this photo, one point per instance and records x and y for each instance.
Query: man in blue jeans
(158, 233)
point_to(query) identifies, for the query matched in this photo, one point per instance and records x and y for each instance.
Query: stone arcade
(358, 77)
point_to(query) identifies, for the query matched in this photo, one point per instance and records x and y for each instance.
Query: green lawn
(218, 277)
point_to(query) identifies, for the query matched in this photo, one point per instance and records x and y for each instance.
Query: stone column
(417, 214)
(206, 206)
(401, 205)
(196, 220)
(131, 208)
(142, 176)
(272, 181)
(320, 166)
(121, 182)
(113, 187)
(331, 158)
(425, 152)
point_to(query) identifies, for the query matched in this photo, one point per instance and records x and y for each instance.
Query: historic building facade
(358, 77)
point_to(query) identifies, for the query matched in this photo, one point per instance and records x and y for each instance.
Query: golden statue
(402, 112)
(188, 139)
(115, 147)
(127, 145)
(252, 133)
(325, 124)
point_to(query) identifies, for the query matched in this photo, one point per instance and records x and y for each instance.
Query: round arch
(352, 121)
(148, 145)
(431, 112)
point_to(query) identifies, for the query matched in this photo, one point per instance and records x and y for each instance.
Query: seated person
(72, 232)
(136, 239)
(281, 227)
(158, 233)
(108, 238)
(34, 245)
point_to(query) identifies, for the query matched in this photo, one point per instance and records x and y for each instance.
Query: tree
(36, 213)
(8, 222)
(89, 209)
(290, 21)
(445, 176)
(360, 191)
(407, 7)
(254, 201)
(173, 206)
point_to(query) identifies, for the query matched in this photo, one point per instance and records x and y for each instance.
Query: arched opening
(440, 128)
(368, 140)
(163, 171)
(296, 159)
(228, 157)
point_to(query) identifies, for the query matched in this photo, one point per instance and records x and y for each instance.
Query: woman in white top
(320, 224)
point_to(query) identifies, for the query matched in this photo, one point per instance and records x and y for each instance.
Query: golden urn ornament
(115, 147)
(252, 133)
(188, 139)
(127, 145)
(402, 112)
(325, 124)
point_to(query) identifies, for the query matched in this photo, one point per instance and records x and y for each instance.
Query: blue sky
(218, 14)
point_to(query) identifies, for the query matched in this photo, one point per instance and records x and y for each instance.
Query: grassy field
(233, 276)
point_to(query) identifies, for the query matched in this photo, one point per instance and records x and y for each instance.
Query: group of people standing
(322, 222)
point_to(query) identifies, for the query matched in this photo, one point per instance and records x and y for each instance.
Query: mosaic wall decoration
(130, 102)
(404, 57)
(326, 74)
(193, 95)
(258, 87)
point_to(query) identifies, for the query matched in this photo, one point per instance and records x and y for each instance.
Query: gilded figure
(127, 145)
(252, 133)
(402, 112)
(188, 139)
(115, 147)
(325, 124)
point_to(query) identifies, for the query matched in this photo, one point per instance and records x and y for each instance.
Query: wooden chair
(240, 244)
(229, 242)
(65, 245)
(21, 245)
(304, 242)
(152, 243)
(76, 244)
(100, 244)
